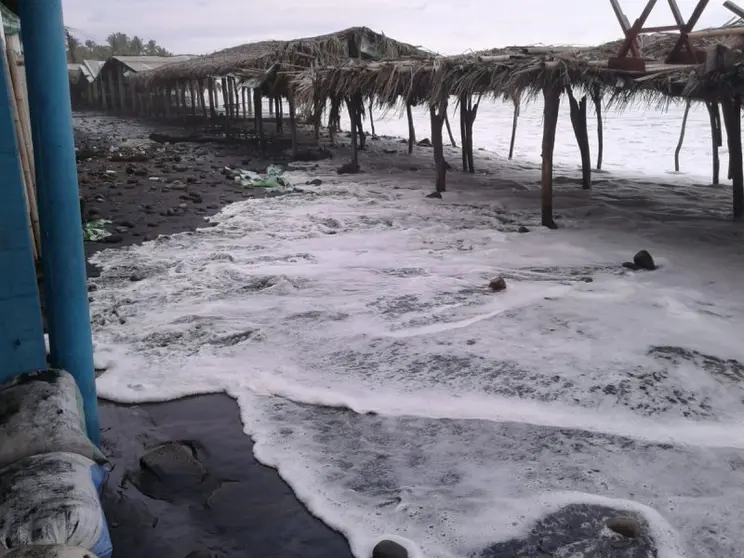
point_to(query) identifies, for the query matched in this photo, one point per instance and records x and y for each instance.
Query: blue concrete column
(65, 282)
(21, 335)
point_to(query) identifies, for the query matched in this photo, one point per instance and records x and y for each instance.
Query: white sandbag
(42, 413)
(53, 499)
(50, 551)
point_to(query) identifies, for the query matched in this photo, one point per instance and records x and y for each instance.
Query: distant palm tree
(136, 46)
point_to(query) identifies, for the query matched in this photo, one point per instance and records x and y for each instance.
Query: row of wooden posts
(199, 98)
(194, 101)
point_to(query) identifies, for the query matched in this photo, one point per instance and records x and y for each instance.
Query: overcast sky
(446, 26)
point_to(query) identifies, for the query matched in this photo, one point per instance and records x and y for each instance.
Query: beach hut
(113, 83)
(22, 345)
(245, 75)
(649, 65)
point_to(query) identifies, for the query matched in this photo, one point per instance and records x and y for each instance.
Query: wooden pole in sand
(411, 128)
(731, 108)
(463, 130)
(352, 108)
(516, 99)
(716, 137)
(212, 98)
(681, 136)
(292, 122)
(437, 113)
(552, 96)
(581, 131)
(203, 100)
(449, 131)
(597, 100)
(259, 118)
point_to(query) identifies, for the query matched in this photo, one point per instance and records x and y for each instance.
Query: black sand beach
(212, 498)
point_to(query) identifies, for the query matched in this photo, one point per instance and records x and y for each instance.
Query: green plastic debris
(274, 178)
(95, 230)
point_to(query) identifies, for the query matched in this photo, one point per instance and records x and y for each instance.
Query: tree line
(117, 44)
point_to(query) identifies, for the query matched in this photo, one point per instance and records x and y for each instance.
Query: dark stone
(628, 527)
(348, 168)
(447, 166)
(389, 549)
(644, 261)
(426, 142)
(129, 170)
(497, 285)
(140, 172)
(113, 239)
(435, 195)
(127, 224)
(136, 276)
(523, 229)
(315, 182)
(577, 530)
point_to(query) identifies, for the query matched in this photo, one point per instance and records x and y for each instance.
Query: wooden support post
(192, 95)
(731, 108)
(552, 96)
(353, 118)
(250, 102)
(411, 128)
(449, 130)
(259, 118)
(581, 131)
(438, 113)
(359, 105)
(687, 29)
(371, 119)
(515, 120)
(226, 104)
(244, 97)
(681, 136)
(203, 101)
(236, 97)
(292, 123)
(334, 116)
(167, 101)
(463, 129)
(597, 100)
(632, 33)
(716, 137)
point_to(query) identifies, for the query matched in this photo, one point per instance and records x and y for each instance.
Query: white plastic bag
(52, 499)
(50, 551)
(41, 413)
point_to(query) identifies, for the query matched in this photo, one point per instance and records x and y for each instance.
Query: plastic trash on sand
(50, 551)
(95, 230)
(41, 413)
(52, 499)
(274, 178)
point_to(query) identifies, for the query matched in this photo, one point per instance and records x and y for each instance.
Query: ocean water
(400, 398)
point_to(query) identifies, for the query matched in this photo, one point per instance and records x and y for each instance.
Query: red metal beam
(689, 26)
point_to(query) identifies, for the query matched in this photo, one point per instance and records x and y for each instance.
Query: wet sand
(238, 507)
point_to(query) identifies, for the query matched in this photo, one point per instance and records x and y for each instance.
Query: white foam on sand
(472, 414)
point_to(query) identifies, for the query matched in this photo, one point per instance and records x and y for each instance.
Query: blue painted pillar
(21, 334)
(65, 282)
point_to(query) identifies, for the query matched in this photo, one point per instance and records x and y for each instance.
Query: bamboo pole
(581, 131)
(24, 150)
(292, 123)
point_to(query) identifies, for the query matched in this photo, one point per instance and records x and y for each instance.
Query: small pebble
(497, 285)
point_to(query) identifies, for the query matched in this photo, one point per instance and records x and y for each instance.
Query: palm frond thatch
(253, 59)
(512, 71)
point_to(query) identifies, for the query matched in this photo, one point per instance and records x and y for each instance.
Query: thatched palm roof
(293, 56)
(505, 72)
